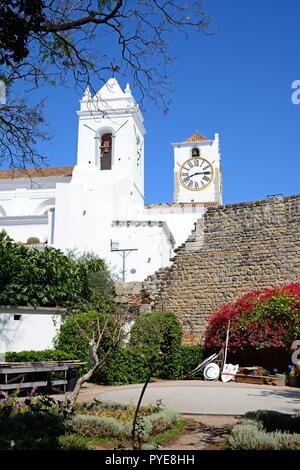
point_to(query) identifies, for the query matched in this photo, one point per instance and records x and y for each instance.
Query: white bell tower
(108, 180)
(197, 170)
(111, 141)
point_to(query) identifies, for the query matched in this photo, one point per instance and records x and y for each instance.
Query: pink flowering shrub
(262, 319)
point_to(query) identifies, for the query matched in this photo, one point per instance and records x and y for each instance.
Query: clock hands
(200, 173)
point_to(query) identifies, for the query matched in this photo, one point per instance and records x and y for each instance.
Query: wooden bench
(15, 375)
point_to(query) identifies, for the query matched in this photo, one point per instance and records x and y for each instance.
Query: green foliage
(168, 434)
(39, 278)
(132, 365)
(30, 431)
(31, 422)
(128, 366)
(250, 435)
(74, 442)
(152, 424)
(276, 421)
(34, 422)
(110, 409)
(100, 282)
(190, 357)
(78, 330)
(160, 332)
(39, 356)
(49, 278)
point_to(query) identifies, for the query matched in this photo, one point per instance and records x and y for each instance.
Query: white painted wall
(21, 233)
(31, 332)
(21, 201)
(154, 248)
(181, 218)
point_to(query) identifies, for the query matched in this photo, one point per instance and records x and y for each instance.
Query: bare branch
(69, 43)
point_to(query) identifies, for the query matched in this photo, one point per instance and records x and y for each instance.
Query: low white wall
(32, 332)
(21, 233)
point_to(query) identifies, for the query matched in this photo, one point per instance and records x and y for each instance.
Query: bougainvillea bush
(260, 320)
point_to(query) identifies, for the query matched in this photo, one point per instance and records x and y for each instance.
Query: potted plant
(293, 378)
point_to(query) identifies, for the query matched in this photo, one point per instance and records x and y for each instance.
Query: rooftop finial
(127, 89)
(87, 94)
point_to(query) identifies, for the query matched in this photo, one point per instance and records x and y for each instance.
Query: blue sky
(236, 82)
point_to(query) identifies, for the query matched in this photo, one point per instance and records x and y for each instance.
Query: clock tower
(197, 170)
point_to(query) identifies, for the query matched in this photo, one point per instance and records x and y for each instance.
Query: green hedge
(132, 365)
(190, 357)
(126, 366)
(160, 332)
(39, 356)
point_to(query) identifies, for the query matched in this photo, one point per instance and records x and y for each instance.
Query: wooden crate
(248, 370)
(249, 379)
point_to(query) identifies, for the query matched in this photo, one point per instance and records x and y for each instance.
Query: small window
(195, 152)
(17, 317)
(105, 152)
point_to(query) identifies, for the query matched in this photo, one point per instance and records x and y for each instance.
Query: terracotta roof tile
(196, 137)
(49, 172)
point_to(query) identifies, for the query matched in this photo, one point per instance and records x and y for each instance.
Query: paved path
(198, 397)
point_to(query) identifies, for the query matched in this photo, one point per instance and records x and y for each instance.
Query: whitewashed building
(98, 205)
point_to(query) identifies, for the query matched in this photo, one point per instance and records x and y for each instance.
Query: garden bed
(32, 423)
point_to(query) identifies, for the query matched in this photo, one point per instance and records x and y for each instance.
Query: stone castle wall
(245, 246)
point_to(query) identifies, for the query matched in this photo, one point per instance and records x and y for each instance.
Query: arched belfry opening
(106, 151)
(195, 152)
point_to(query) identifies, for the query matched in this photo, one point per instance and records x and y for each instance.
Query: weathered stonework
(237, 248)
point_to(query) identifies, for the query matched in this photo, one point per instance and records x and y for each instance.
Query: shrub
(132, 365)
(159, 422)
(39, 356)
(263, 320)
(87, 425)
(127, 366)
(276, 421)
(33, 240)
(190, 357)
(76, 331)
(250, 435)
(155, 423)
(29, 431)
(160, 332)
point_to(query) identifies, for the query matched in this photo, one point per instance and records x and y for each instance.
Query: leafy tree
(50, 278)
(100, 282)
(39, 278)
(92, 337)
(67, 42)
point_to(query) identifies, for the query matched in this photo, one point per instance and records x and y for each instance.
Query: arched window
(106, 152)
(195, 152)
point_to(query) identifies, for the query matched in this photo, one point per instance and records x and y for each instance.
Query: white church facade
(98, 205)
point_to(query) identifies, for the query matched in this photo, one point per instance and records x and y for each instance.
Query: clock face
(196, 173)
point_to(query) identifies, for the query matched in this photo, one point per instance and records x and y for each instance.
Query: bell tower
(197, 170)
(111, 141)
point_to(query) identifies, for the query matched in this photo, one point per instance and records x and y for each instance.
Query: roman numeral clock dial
(196, 173)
